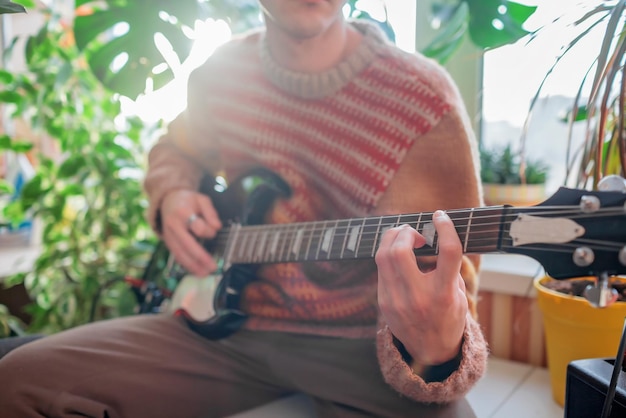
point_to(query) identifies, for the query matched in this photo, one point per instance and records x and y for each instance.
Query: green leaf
(22, 146)
(72, 190)
(29, 4)
(6, 143)
(582, 113)
(14, 279)
(443, 46)
(71, 166)
(93, 30)
(10, 97)
(6, 6)
(5, 187)
(6, 77)
(14, 212)
(32, 189)
(494, 23)
(488, 23)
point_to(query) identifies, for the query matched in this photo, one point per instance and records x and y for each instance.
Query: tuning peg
(612, 183)
(601, 295)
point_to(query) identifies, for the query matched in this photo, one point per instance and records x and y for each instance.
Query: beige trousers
(153, 366)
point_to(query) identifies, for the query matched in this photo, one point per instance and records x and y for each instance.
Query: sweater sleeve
(184, 153)
(441, 171)
(399, 375)
(169, 169)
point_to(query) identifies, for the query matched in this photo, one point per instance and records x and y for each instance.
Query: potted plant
(574, 328)
(88, 195)
(509, 179)
(9, 324)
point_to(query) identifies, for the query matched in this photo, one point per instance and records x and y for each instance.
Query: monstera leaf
(488, 23)
(7, 6)
(495, 23)
(117, 37)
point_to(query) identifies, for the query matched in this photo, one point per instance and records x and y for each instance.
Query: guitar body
(244, 203)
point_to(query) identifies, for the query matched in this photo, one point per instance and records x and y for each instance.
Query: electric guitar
(573, 233)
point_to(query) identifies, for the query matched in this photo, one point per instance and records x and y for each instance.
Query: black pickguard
(245, 202)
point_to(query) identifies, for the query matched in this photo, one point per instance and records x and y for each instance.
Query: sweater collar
(318, 85)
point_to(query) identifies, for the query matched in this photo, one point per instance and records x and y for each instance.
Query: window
(512, 75)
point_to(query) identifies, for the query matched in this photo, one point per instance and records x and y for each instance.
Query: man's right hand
(186, 216)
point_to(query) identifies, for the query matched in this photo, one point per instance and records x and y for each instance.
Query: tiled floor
(514, 390)
(508, 390)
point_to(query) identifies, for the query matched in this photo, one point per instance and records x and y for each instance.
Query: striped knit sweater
(362, 138)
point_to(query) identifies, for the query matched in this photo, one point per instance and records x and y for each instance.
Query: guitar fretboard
(479, 230)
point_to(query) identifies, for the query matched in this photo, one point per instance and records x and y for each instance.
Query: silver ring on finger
(191, 219)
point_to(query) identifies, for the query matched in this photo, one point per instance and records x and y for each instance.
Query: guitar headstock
(573, 233)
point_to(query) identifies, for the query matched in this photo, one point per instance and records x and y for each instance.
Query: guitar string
(368, 238)
(427, 218)
(312, 229)
(315, 225)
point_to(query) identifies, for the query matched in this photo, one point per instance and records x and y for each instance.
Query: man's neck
(316, 54)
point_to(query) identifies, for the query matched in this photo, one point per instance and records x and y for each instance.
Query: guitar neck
(480, 231)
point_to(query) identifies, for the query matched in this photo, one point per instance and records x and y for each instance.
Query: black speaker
(586, 388)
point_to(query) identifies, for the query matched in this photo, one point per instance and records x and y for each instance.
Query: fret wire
(319, 244)
(233, 242)
(285, 245)
(287, 242)
(345, 236)
(380, 219)
(241, 246)
(252, 241)
(316, 243)
(296, 243)
(359, 238)
(285, 233)
(308, 245)
(251, 247)
(307, 254)
(274, 246)
(331, 238)
(266, 249)
(262, 245)
(419, 220)
(467, 231)
(244, 245)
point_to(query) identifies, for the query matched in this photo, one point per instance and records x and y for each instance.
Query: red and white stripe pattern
(349, 142)
(337, 138)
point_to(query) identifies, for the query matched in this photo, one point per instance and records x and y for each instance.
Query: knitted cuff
(399, 375)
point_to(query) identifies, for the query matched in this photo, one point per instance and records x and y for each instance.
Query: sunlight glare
(497, 24)
(166, 103)
(120, 28)
(119, 62)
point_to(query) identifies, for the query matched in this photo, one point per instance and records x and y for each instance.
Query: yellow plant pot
(514, 194)
(576, 330)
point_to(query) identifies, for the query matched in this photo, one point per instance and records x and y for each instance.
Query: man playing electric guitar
(353, 127)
